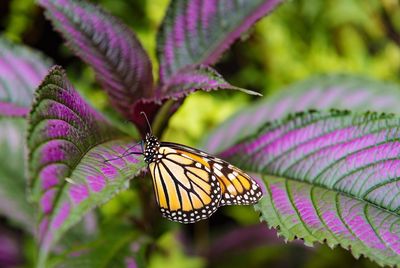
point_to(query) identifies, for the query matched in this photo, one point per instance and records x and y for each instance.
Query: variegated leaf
(21, 70)
(68, 144)
(109, 46)
(321, 92)
(199, 31)
(330, 177)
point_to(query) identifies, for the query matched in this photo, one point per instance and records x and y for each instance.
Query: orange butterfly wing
(190, 185)
(185, 191)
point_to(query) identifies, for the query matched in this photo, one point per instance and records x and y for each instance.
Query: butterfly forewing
(185, 188)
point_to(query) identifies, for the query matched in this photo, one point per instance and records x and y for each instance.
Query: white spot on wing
(217, 166)
(231, 188)
(231, 176)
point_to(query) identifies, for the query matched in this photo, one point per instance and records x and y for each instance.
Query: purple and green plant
(68, 141)
(21, 70)
(329, 174)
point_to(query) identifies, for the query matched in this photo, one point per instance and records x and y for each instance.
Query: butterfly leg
(122, 156)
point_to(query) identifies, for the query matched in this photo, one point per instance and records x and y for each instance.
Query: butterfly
(189, 184)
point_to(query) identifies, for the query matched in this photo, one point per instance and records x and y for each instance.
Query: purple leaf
(151, 108)
(13, 202)
(10, 250)
(198, 32)
(196, 78)
(322, 92)
(121, 65)
(68, 144)
(241, 239)
(12, 110)
(312, 213)
(21, 70)
(330, 177)
(130, 262)
(182, 84)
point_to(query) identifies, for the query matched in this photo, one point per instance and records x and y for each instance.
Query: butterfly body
(190, 185)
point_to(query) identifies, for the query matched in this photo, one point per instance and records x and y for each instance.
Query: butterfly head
(151, 145)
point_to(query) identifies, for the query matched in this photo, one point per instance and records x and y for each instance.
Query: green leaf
(115, 246)
(68, 144)
(173, 254)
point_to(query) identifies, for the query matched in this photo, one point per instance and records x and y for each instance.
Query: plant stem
(162, 118)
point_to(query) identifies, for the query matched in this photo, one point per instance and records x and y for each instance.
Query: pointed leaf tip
(192, 79)
(195, 78)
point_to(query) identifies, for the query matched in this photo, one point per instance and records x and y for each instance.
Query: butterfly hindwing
(237, 188)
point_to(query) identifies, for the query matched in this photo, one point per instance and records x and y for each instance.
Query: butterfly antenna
(147, 120)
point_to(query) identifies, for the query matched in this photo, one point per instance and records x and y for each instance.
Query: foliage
(329, 174)
(328, 178)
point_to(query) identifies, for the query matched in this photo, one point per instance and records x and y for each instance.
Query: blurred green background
(300, 39)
